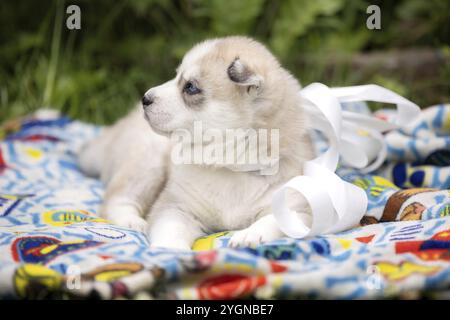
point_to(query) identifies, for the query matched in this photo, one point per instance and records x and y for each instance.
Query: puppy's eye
(190, 88)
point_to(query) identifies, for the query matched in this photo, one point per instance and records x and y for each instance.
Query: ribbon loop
(357, 139)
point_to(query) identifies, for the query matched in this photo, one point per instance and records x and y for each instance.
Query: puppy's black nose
(147, 100)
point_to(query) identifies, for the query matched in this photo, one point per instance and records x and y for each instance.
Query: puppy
(231, 83)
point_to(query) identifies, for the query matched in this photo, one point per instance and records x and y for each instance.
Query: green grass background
(126, 46)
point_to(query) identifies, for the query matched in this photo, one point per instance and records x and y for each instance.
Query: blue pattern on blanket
(52, 244)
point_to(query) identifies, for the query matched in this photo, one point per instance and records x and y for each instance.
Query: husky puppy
(225, 83)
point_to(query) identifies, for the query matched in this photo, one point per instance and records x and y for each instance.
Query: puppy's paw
(254, 235)
(245, 238)
(129, 221)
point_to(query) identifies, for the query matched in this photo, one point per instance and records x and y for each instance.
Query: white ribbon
(337, 205)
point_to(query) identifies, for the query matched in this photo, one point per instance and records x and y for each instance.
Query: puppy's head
(232, 82)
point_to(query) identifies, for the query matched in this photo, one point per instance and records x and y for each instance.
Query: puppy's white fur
(242, 86)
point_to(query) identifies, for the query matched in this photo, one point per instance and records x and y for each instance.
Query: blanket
(53, 245)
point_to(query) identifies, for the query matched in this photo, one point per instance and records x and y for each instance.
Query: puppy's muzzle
(147, 100)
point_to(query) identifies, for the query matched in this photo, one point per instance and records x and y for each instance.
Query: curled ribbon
(337, 205)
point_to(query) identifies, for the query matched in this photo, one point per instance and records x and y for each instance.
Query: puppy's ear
(242, 75)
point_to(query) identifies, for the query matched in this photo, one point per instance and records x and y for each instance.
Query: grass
(98, 73)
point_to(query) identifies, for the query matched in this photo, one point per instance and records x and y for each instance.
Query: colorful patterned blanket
(52, 245)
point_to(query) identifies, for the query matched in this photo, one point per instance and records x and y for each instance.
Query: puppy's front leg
(130, 194)
(124, 212)
(262, 230)
(171, 228)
